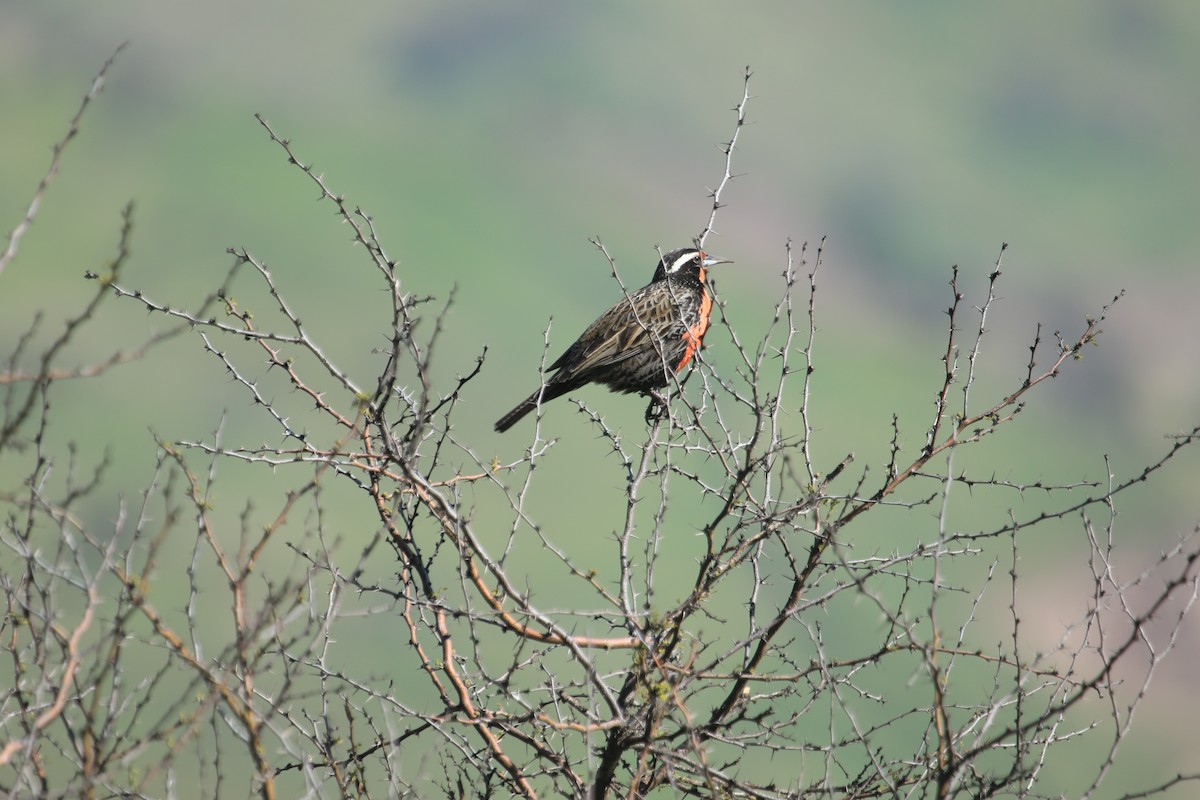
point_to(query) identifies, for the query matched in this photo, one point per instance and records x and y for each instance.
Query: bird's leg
(658, 408)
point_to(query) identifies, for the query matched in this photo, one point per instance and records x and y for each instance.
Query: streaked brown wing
(618, 334)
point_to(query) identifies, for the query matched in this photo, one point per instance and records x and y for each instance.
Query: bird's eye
(684, 259)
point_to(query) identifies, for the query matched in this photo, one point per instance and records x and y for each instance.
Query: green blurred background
(490, 140)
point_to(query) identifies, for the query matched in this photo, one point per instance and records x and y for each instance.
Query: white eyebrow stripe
(683, 259)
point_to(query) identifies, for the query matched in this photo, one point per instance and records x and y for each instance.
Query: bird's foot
(657, 409)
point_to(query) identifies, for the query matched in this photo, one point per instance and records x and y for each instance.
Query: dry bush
(795, 661)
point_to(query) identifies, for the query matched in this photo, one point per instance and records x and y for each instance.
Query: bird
(637, 344)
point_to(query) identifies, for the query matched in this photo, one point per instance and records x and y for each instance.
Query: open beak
(710, 260)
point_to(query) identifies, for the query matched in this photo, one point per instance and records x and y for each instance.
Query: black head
(685, 261)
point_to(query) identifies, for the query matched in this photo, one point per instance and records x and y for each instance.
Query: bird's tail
(543, 395)
(514, 416)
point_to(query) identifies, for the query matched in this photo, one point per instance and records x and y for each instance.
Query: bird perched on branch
(636, 345)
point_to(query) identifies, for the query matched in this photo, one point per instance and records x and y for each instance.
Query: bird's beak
(710, 260)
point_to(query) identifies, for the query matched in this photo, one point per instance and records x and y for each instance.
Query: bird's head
(686, 260)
